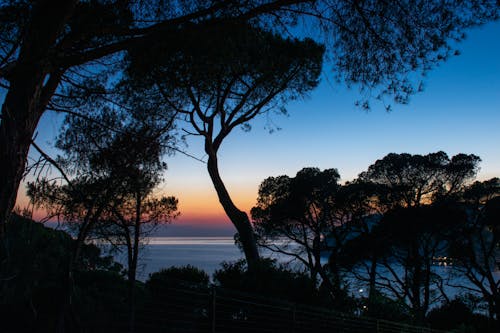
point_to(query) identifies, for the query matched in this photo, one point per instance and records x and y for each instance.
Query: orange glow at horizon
(197, 206)
(202, 206)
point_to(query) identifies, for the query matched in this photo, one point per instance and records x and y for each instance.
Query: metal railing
(217, 310)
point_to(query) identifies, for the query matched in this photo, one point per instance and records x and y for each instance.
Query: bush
(37, 271)
(273, 280)
(458, 315)
(185, 276)
(384, 307)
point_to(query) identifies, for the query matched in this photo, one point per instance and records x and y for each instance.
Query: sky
(458, 112)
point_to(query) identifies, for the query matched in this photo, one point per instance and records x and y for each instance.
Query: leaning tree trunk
(239, 218)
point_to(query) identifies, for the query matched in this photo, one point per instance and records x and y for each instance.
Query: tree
(298, 212)
(407, 180)
(46, 44)
(251, 72)
(112, 195)
(308, 214)
(409, 192)
(413, 237)
(476, 245)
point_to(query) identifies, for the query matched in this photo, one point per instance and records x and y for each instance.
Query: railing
(217, 310)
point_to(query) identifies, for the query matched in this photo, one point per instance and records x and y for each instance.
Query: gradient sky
(458, 111)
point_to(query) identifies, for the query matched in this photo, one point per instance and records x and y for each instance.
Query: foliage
(177, 276)
(34, 289)
(251, 72)
(459, 316)
(407, 180)
(414, 237)
(479, 192)
(294, 214)
(381, 306)
(274, 281)
(115, 173)
(476, 246)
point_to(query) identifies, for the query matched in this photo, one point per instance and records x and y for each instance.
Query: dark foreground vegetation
(272, 298)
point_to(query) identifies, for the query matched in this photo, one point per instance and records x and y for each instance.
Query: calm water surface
(203, 252)
(208, 253)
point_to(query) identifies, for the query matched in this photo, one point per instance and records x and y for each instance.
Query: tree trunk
(132, 271)
(373, 281)
(19, 120)
(68, 320)
(30, 89)
(239, 219)
(416, 284)
(133, 259)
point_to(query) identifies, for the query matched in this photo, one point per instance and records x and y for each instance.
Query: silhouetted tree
(251, 72)
(111, 196)
(47, 44)
(310, 213)
(358, 200)
(478, 193)
(413, 180)
(476, 245)
(293, 215)
(413, 237)
(402, 189)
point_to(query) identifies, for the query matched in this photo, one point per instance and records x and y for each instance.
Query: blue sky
(459, 111)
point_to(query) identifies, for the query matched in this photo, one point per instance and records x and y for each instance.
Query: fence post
(293, 318)
(378, 327)
(213, 305)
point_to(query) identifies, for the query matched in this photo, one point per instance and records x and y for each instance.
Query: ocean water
(206, 253)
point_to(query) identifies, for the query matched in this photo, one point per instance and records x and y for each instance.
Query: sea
(206, 253)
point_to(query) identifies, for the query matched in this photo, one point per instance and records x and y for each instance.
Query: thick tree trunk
(29, 92)
(237, 217)
(19, 120)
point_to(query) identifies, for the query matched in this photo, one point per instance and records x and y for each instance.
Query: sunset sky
(459, 111)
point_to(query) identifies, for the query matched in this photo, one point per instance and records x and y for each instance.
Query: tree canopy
(251, 72)
(411, 180)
